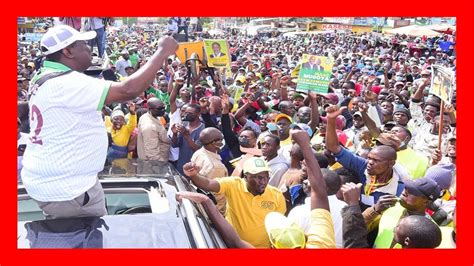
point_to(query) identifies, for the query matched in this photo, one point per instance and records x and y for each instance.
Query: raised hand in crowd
(351, 193)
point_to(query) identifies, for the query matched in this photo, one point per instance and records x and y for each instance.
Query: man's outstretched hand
(192, 196)
(168, 45)
(191, 169)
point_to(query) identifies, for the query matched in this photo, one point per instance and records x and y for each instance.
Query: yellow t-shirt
(286, 142)
(335, 166)
(122, 136)
(388, 222)
(246, 212)
(415, 163)
(108, 123)
(321, 233)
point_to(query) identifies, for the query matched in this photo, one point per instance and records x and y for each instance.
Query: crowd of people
(362, 166)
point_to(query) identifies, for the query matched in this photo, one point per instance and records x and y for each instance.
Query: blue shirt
(444, 45)
(185, 151)
(358, 165)
(353, 162)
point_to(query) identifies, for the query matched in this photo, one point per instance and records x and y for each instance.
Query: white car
(142, 213)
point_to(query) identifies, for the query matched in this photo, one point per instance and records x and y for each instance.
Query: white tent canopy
(414, 31)
(441, 27)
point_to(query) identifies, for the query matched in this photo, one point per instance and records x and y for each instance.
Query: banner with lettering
(315, 73)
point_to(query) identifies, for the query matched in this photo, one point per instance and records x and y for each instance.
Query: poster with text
(315, 73)
(442, 83)
(217, 53)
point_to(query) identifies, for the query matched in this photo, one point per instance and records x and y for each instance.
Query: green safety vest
(388, 222)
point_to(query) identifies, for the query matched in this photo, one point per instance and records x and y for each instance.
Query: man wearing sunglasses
(209, 160)
(153, 142)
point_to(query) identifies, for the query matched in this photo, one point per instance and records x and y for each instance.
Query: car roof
(124, 231)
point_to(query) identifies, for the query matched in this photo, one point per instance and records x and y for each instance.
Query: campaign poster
(442, 83)
(190, 48)
(217, 53)
(315, 73)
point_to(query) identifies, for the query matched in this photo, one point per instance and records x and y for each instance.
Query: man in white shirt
(301, 214)
(68, 142)
(172, 25)
(357, 127)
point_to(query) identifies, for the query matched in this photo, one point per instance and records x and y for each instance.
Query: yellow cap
(280, 116)
(283, 233)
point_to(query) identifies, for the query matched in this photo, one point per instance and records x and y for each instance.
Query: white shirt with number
(67, 145)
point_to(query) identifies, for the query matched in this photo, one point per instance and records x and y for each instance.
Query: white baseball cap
(60, 37)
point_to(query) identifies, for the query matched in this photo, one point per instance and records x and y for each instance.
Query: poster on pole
(217, 53)
(189, 48)
(315, 73)
(442, 83)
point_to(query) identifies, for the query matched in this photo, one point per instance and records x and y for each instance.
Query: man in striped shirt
(67, 145)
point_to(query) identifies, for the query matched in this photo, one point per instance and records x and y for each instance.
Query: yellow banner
(217, 53)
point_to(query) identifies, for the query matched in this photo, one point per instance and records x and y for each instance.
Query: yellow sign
(217, 53)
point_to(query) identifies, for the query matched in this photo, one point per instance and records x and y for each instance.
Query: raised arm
(319, 197)
(132, 121)
(348, 77)
(402, 99)
(220, 85)
(174, 93)
(138, 82)
(332, 142)
(170, 82)
(192, 171)
(225, 229)
(284, 88)
(275, 81)
(262, 104)
(354, 229)
(374, 110)
(374, 130)
(385, 78)
(418, 95)
(229, 136)
(240, 114)
(206, 112)
(314, 122)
